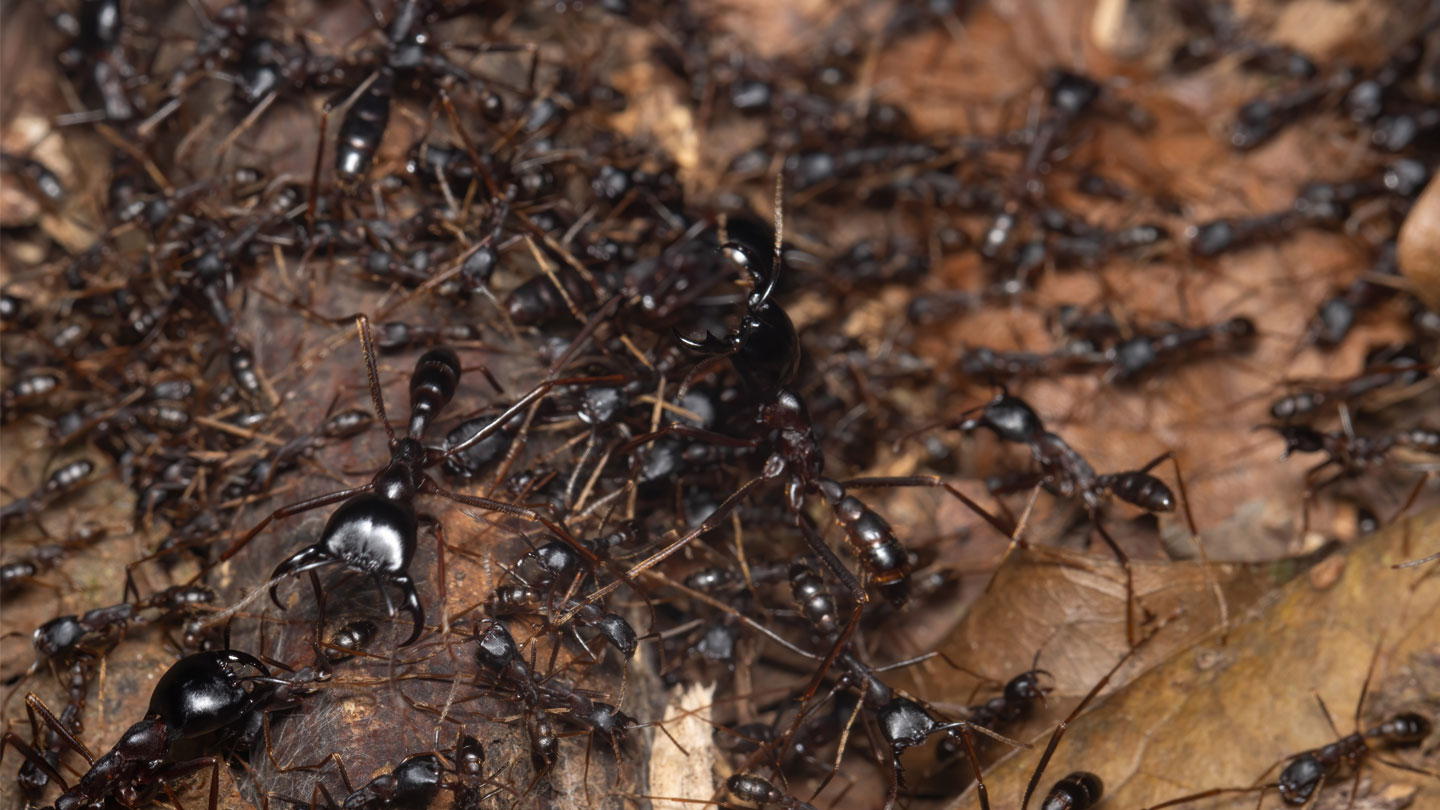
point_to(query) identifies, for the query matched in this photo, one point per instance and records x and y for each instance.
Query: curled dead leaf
(1215, 714)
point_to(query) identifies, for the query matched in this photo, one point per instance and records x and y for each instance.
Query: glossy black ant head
(618, 632)
(905, 723)
(202, 693)
(765, 349)
(1025, 688)
(373, 533)
(58, 635)
(1300, 779)
(495, 648)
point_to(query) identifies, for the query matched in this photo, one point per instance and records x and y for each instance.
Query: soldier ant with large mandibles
(199, 711)
(375, 530)
(765, 353)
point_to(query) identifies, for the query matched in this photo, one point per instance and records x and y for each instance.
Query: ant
(39, 177)
(765, 353)
(496, 651)
(1336, 315)
(199, 706)
(407, 49)
(375, 530)
(411, 785)
(19, 571)
(1306, 772)
(63, 638)
(65, 480)
(96, 48)
(1137, 356)
(1065, 471)
(1351, 453)
(1015, 703)
(1392, 365)
(260, 475)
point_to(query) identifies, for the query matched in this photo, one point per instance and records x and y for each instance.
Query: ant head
(1298, 438)
(1025, 688)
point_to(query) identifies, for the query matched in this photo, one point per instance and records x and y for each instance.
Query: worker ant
(1307, 772)
(1064, 471)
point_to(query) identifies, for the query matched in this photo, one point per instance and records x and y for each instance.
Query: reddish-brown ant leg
(1131, 601)
(930, 481)
(1221, 603)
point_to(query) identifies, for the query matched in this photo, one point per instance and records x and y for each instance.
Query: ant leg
(367, 344)
(35, 707)
(1414, 494)
(980, 790)
(1065, 724)
(839, 751)
(283, 512)
(930, 481)
(1131, 602)
(851, 584)
(1220, 602)
(34, 757)
(440, 574)
(186, 768)
(521, 404)
(1403, 767)
(1195, 797)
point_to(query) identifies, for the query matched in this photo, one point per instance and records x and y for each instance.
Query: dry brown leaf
(1418, 248)
(1214, 715)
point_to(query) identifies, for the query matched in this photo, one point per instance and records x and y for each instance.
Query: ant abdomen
(871, 536)
(1078, 791)
(1144, 490)
(1403, 729)
(433, 383)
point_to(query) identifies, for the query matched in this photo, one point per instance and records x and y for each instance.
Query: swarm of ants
(419, 403)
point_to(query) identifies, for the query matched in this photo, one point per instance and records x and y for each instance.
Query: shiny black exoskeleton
(747, 787)
(412, 785)
(376, 532)
(765, 348)
(198, 706)
(1305, 773)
